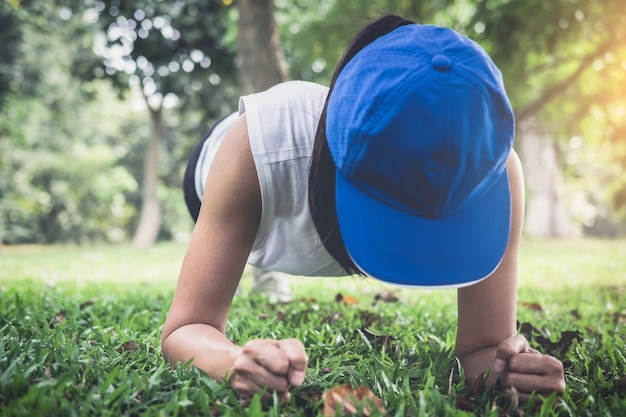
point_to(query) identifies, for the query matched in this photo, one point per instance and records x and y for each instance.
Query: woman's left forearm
(487, 310)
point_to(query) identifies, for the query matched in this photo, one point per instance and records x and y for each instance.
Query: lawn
(80, 330)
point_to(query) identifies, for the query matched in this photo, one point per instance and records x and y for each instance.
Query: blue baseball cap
(420, 129)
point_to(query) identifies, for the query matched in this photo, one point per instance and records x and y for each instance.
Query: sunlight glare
(65, 13)
(170, 101)
(196, 56)
(173, 66)
(159, 22)
(91, 16)
(214, 79)
(188, 65)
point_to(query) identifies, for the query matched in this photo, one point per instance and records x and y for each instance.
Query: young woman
(403, 170)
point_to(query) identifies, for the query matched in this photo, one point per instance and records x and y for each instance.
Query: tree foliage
(174, 54)
(174, 49)
(60, 151)
(34, 126)
(566, 66)
(9, 37)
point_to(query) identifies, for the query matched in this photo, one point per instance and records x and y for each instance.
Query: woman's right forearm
(210, 349)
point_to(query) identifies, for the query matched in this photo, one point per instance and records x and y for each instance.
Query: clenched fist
(520, 366)
(273, 364)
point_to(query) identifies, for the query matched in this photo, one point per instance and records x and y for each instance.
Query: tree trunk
(260, 57)
(150, 218)
(546, 215)
(261, 66)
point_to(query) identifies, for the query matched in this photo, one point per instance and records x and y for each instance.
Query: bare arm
(487, 310)
(486, 337)
(195, 326)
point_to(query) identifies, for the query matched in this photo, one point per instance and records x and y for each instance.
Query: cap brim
(396, 247)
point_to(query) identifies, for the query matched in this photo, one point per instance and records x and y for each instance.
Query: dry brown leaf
(332, 318)
(528, 329)
(532, 306)
(369, 318)
(386, 296)
(567, 364)
(618, 317)
(346, 299)
(563, 344)
(576, 314)
(350, 400)
(620, 386)
(479, 385)
(617, 388)
(464, 403)
(60, 316)
(131, 345)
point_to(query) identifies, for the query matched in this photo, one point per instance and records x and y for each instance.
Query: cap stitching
(446, 136)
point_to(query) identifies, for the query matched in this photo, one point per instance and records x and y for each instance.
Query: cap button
(441, 63)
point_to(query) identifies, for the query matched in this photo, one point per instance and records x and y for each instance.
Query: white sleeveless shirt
(281, 125)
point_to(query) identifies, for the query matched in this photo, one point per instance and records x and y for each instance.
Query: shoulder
(283, 119)
(298, 88)
(290, 94)
(232, 183)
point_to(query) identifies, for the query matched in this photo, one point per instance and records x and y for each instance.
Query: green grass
(80, 328)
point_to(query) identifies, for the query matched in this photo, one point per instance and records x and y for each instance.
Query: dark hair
(322, 174)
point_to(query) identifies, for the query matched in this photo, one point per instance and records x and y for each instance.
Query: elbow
(166, 342)
(164, 347)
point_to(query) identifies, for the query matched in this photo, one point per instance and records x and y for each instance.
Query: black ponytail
(322, 174)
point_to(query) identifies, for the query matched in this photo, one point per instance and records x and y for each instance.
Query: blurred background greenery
(101, 101)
